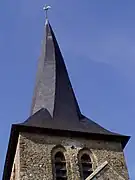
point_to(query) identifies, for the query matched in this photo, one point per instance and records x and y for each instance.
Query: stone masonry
(34, 158)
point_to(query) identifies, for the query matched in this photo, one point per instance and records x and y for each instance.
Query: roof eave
(87, 135)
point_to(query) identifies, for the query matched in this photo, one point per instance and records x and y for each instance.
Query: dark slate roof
(55, 110)
(53, 89)
(43, 119)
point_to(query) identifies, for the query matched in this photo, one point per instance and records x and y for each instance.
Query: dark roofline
(17, 128)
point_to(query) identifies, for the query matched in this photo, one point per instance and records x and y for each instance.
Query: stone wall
(36, 164)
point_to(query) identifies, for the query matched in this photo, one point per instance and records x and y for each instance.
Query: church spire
(54, 112)
(53, 90)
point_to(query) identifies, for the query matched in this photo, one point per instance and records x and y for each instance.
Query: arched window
(85, 164)
(59, 164)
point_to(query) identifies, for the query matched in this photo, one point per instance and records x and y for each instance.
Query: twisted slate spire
(54, 99)
(53, 90)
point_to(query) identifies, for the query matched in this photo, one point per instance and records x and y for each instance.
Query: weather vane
(46, 8)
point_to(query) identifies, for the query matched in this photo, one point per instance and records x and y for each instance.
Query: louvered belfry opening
(86, 166)
(60, 166)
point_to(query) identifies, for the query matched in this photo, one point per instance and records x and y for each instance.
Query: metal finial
(46, 8)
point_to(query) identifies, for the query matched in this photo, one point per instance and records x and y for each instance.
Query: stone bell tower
(58, 142)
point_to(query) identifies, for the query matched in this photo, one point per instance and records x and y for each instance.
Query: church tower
(58, 142)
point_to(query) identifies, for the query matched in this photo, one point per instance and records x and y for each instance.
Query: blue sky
(97, 39)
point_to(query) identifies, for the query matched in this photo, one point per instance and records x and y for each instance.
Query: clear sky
(97, 39)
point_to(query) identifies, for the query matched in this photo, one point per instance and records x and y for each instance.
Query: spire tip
(46, 8)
